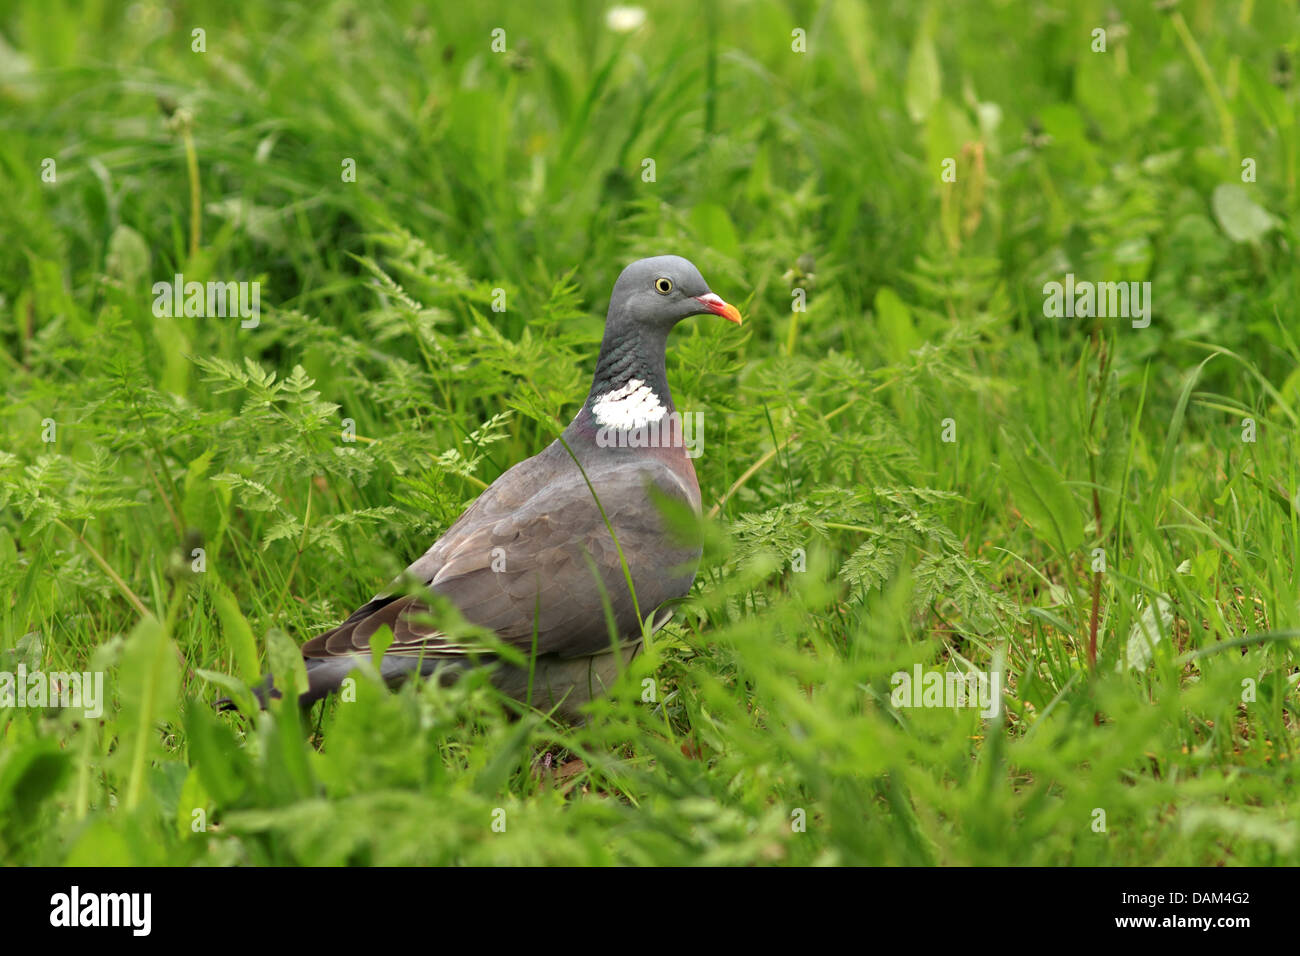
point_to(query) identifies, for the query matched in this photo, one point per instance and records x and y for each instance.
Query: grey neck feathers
(626, 354)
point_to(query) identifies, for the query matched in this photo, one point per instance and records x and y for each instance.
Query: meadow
(919, 457)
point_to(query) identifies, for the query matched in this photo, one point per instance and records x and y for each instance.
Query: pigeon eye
(663, 285)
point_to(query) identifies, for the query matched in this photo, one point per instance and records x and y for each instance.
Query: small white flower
(624, 19)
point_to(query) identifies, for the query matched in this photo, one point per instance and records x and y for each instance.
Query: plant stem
(192, 165)
(1202, 66)
(302, 544)
(108, 569)
(765, 458)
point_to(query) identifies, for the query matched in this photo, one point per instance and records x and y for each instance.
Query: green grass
(849, 540)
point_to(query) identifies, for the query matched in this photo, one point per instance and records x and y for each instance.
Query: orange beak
(715, 305)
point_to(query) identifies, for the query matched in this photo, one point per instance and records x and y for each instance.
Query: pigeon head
(661, 291)
(651, 296)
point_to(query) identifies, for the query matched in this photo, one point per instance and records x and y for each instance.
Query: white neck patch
(630, 406)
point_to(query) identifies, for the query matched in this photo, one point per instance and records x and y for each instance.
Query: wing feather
(518, 559)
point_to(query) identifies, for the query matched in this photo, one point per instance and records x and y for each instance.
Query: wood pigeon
(530, 557)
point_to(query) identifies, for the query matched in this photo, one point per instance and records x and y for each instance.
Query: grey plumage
(519, 561)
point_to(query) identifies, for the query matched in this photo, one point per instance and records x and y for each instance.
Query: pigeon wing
(535, 554)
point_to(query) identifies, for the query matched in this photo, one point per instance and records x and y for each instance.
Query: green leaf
(238, 635)
(236, 688)
(28, 777)
(380, 641)
(715, 230)
(148, 680)
(923, 77)
(193, 796)
(128, 257)
(287, 667)
(894, 322)
(101, 844)
(223, 766)
(1165, 468)
(1239, 215)
(1045, 502)
(1154, 621)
